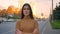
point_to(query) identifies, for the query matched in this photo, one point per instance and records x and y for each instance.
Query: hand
(18, 32)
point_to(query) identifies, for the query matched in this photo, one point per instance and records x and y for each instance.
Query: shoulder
(19, 21)
(35, 21)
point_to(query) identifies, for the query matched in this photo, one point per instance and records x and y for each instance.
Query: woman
(27, 24)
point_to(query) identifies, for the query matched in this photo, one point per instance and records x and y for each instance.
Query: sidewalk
(48, 30)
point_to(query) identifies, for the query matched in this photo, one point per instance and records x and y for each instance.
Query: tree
(3, 13)
(0, 13)
(11, 9)
(17, 12)
(56, 13)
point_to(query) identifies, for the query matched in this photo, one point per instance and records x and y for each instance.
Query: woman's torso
(26, 25)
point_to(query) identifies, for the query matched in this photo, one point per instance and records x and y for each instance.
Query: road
(44, 27)
(7, 28)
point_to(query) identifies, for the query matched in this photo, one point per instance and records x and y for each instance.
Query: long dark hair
(31, 14)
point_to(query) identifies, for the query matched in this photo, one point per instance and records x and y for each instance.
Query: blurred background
(47, 12)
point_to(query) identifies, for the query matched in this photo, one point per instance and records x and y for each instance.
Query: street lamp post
(52, 10)
(51, 13)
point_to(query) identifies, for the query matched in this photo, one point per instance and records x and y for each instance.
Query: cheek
(24, 11)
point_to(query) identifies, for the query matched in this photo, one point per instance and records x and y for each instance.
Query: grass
(56, 24)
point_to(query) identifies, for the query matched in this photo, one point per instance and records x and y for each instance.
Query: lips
(26, 12)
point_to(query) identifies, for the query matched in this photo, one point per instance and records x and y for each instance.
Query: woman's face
(26, 10)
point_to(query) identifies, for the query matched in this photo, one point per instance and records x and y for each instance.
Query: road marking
(44, 28)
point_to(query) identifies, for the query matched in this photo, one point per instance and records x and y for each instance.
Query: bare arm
(36, 30)
(17, 28)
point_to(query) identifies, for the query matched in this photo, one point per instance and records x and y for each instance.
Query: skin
(27, 25)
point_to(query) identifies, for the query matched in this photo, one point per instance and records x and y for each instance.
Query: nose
(26, 11)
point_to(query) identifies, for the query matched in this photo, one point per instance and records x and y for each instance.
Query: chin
(26, 14)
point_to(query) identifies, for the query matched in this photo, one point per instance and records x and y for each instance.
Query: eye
(24, 9)
(28, 9)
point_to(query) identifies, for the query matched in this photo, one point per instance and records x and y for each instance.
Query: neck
(26, 17)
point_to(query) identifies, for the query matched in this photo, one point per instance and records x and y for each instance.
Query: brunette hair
(31, 14)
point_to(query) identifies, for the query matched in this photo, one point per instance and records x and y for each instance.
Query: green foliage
(56, 18)
(56, 13)
(56, 24)
(14, 17)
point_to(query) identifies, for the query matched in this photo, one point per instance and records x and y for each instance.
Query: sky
(6, 3)
(38, 6)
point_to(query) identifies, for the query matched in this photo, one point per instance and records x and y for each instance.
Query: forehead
(26, 6)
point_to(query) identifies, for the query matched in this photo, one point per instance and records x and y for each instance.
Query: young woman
(27, 24)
